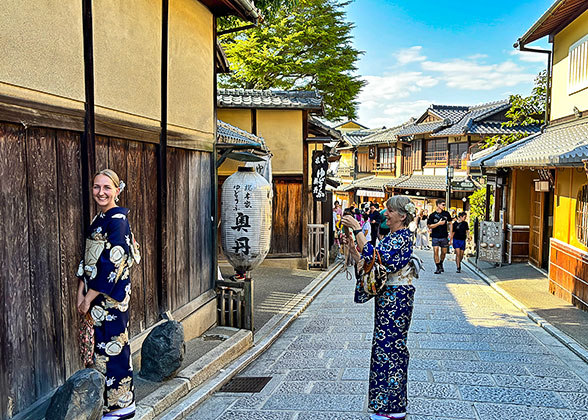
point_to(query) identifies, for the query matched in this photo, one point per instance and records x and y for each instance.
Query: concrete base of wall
(300, 263)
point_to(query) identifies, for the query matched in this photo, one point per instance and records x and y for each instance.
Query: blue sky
(456, 52)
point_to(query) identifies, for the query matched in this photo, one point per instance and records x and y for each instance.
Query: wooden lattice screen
(582, 215)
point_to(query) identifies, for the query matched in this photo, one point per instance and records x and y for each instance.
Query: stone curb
(264, 338)
(565, 339)
(193, 375)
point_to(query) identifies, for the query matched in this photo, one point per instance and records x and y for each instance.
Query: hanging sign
(372, 152)
(319, 174)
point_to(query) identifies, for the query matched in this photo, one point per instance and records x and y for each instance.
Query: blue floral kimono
(105, 268)
(393, 311)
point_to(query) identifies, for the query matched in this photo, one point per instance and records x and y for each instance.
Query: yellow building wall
(42, 51)
(521, 197)
(191, 67)
(282, 132)
(562, 103)
(568, 182)
(238, 117)
(127, 58)
(350, 126)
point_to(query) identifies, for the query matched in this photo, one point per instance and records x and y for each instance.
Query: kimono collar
(116, 210)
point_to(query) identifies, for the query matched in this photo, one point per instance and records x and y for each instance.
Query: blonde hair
(398, 203)
(114, 178)
(110, 174)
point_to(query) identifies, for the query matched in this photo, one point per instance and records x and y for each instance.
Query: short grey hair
(398, 204)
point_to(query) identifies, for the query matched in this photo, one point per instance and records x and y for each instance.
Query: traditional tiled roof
(473, 114)
(322, 129)
(451, 112)
(273, 99)
(496, 127)
(422, 182)
(373, 182)
(563, 144)
(388, 135)
(227, 133)
(423, 128)
(354, 138)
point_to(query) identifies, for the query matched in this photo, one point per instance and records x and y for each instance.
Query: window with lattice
(582, 215)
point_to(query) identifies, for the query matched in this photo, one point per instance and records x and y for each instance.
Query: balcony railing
(436, 158)
(344, 171)
(458, 163)
(383, 167)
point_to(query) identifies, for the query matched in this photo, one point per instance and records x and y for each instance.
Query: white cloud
(472, 75)
(410, 55)
(382, 89)
(393, 113)
(530, 57)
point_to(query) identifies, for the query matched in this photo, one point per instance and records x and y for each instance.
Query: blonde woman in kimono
(104, 291)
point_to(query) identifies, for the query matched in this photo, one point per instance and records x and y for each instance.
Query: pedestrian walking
(383, 230)
(437, 222)
(459, 235)
(422, 233)
(393, 308)
(366, 227)
(375, 221)
(104, 292)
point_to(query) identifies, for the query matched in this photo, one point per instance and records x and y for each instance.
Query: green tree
(307, 48)
(478, 204)
(524, 111)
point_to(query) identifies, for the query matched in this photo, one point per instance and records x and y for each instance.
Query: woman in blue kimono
(105, 291)
(393, 309)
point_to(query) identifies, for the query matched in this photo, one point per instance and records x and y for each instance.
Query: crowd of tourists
(442, 231)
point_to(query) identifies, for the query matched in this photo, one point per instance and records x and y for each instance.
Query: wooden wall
(41, 245)
(568, 274)
(287, 216)
(517, 243)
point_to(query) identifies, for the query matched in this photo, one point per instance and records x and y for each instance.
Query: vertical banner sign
(319, 175)
(372, 152)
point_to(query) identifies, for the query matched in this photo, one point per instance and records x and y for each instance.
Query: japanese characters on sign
(319, 174)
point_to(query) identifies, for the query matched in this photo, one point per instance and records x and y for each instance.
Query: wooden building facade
(85, 86)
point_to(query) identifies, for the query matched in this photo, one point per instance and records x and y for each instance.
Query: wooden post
(326, 245)
(88, 145)
(163, 295)
(248, 298)
(305, 189)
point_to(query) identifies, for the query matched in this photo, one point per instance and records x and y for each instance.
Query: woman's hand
(80, 299)
(84, 306)
(350, 222)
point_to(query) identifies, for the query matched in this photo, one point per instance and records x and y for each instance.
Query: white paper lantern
(246, 219)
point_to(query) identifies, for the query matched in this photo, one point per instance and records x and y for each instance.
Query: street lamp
(450, 172)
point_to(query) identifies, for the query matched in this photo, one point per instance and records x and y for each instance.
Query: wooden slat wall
(16, 325)
(568, 274)
(41, 244)
(135, 164)
(287, 217)
(189, 225)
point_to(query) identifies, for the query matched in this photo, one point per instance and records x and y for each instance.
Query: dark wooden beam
(88, 146)
(163, 295)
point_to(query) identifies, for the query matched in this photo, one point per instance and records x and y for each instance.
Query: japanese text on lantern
(242, 197)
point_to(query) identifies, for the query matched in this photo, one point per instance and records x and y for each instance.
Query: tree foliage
(307, 48)
(524, 111)
(478, 204)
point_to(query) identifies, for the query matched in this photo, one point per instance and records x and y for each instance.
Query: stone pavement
(473, 356)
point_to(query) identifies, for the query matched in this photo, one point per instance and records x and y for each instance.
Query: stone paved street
(473, 356)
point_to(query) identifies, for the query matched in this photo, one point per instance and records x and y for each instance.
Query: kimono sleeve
(113, 260)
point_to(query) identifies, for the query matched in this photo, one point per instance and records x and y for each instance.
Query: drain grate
(246, 384)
